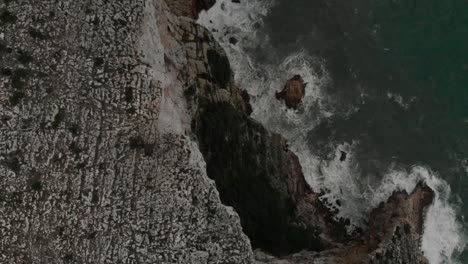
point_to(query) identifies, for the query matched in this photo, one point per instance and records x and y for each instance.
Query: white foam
(405, 104)
(338, 179)
(227, 19)
(354, 195)
(442, 238)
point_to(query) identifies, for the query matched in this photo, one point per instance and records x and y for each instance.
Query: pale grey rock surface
(97, 160)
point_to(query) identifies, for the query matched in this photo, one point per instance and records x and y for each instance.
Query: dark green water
(389, 48)
(428, 40)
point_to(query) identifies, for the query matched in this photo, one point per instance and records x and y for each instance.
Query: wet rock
(293, 92)
(233, 40)
(383, 241)
(343, 156)
(256, 174)
(117, 175)
(189, 8)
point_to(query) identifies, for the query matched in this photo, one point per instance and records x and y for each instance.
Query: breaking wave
(236, 26)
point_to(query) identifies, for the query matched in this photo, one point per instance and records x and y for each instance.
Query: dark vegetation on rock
(138, 143)
(23, 57)
(85, 165)
(37, 34)
(98, 62)
(3, 47)
(108, 174)
(74, 128)
(58, 118)
(220, 67)
(7, 17)
(128, 95)
(6, 71)
(12, 161)
(19, 78)
(257, 175)
(16, 97)
(246, 162)
(36, 185)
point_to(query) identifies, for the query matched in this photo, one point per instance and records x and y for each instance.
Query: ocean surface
(387, 85)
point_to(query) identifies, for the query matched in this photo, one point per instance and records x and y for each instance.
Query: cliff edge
(124, 139)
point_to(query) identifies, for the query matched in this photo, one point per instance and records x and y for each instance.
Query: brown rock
(393, 236)
(244, 99)
(293, 92)
(189, 8)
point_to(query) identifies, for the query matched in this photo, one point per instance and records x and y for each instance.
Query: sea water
(387, 84)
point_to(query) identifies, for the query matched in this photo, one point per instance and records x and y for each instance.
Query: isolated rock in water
(343, 156)
(293, 92)
(99, 161)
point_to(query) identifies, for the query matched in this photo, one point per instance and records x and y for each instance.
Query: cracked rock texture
(293, 92)
(393, 236)
(108, 112)
(97, 164)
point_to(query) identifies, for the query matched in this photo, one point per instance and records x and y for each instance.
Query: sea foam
(341, 181)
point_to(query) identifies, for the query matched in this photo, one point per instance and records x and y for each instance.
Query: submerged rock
(293, 92)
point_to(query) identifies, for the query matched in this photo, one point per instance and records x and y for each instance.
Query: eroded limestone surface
(104, 107)
(97, 164)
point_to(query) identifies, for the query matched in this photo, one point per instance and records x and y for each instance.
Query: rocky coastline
(126, 140)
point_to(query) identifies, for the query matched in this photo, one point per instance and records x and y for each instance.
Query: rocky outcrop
(257, 175)
(97, 161)
(104, 108)
(393, 236)
(293, 92)
(253, 169)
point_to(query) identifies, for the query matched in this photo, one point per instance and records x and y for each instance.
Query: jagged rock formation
(189, 8)
(257, 175)
(96, 160)
(293, 92)
(101, 107)
(253, 168)
(394, 235)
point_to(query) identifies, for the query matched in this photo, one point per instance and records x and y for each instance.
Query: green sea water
(414, 51)
(428, 41)
(396, 91)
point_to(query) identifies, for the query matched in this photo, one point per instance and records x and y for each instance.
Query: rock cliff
(114, 115)
(97, 163)
(393, 236)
